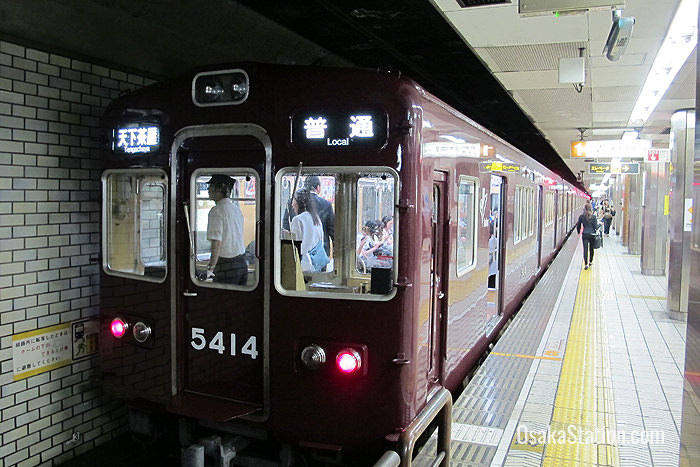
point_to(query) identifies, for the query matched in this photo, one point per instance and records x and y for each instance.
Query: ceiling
(487, 61)
(523, 54)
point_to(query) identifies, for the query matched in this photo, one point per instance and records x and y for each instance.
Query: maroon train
(329, 363)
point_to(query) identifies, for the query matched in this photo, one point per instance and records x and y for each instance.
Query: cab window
(134, 233)
(336, 232)
(222, 228)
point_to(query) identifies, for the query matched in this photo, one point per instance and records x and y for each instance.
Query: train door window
(467, 224)
(355, 230)
(221, 259)
(134, 217)
(517, 214)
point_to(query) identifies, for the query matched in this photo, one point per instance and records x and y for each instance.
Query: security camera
(619, 37)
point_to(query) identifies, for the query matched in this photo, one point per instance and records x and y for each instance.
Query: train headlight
(142, 332)
(119, 327)
(211, 91)
(313, 356)
(348, 361)
(239, 87)
(225, 87)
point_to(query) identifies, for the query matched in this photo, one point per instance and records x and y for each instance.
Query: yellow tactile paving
(534, 357)
(582, 431)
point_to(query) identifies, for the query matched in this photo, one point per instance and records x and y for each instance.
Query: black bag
(597, 240)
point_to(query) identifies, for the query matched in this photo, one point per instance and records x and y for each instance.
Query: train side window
(134, 231)
(357, 260)
(236, 264)
(517, 214)
(467, 224)
(532, 211)
(550, 208)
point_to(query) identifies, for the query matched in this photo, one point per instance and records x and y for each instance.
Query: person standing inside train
(306, 226)
(324, 209)
(589, 222)
(225, 232)
(607, 211)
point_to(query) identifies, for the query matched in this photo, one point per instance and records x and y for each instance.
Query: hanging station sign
(625, 149)
(624, 168)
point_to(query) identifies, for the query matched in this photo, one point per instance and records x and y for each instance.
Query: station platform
(589, 373)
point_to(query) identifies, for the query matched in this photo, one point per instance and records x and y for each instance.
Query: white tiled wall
(50, 108)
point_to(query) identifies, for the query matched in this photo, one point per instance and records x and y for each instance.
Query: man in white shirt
(225, 232)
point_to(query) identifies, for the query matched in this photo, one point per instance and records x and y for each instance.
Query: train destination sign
(136, 139)
(339, 129)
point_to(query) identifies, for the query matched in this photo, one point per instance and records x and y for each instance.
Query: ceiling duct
(468, 3)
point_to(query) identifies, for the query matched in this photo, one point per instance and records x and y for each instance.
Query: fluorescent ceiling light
(679, 43)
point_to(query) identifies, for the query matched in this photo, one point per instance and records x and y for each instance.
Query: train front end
(325, 357)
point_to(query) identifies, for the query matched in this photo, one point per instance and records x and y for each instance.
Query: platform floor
(589, 373)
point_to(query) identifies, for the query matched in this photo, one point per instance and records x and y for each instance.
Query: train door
(221, 300)
(438, 265)
(496, 201)
(540, 223)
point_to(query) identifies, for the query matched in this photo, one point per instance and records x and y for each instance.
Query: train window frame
(463, 270)
(110, 213)
(345, 281)
(198, 275)
(517, 206)
(523, 213)
(531, 212)
(549, 206)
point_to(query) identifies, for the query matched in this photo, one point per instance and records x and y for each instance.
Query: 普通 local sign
(637, 148)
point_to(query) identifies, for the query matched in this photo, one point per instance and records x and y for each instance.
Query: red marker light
(348, 361)
(118, 327)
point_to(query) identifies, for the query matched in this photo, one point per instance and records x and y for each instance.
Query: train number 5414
(218, 343)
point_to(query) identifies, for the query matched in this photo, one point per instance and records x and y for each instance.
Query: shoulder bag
(318, 256)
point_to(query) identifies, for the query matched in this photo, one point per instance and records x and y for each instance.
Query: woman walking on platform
(590, 226)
